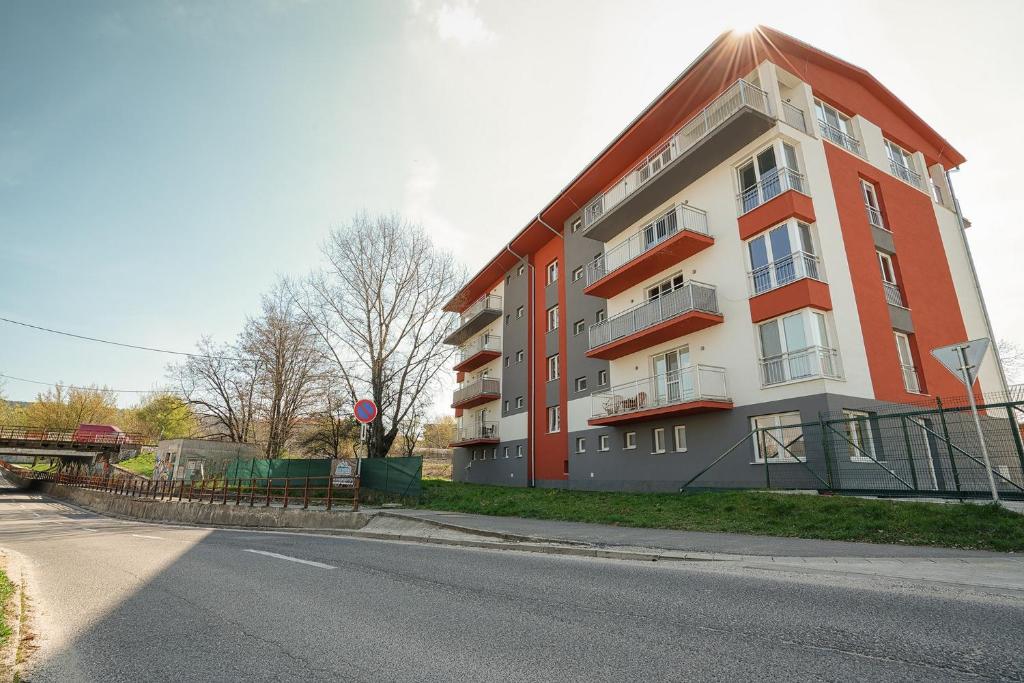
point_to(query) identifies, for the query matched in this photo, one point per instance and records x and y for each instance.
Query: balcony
(771, 185)
(692, 307)
(783, 271)
(476, 433)
(840, 138)
(473, 394)
(722, 128)
(814, 362)
(875, 217)
(476, 317)
(906, 174)
(893, 295)
(675, 235)
(693, 389)
(478, 352)
(794, 116)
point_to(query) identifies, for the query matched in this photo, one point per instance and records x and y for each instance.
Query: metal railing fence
(811, 362)
(841, 138)
(783, 271)
(484, 303)
(69, 436)
(794, 116)
(692, 296)
(484, 385)
(906, 174)
(485, 342)
(893, 295)
(771, 185)
(875, 217)
(685, 385)
(477, 430)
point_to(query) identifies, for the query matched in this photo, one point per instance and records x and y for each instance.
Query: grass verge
(141, 464)
(7, 589)
(838, 518)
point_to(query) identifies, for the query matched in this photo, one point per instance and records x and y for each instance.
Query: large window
(784, 254)
(554, 419)
(911, 381)
(872, 205)
(901, 163)
(670, 382)
(858, 432)
(763, 177)
(778, 437)
(836, 127)
(797, 346)
(665, 287)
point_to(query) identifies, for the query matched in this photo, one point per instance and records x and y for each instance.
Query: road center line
(291, 559)
(154, 538)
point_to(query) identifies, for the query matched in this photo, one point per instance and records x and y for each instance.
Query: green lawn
(749, 512)
(140, 464)
(6, 591)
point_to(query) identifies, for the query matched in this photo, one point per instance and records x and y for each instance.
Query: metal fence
(930, 448)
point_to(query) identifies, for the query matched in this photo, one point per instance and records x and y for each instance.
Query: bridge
(66, 443)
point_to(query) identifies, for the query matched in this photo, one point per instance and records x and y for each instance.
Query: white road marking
(291, 559)
(88, 529)
(155, 538)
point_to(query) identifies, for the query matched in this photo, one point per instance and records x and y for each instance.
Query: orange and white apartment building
(774, 237)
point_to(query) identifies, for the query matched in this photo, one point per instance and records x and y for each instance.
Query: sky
(162, 163)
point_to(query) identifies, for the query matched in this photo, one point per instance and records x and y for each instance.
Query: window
(872, 205)
(581, 444)
(601, 316)
(553, 367)
(778, 437)
(554, 419)
(669, 384)
(475, 453)
(506, 406)
(508, 278)
(658, 439)
(662, 288)
(494, 454)
(552, 272)
(519, 356)
(602, 378)
(782, 255)
(903, 349)
(762, 178)
(578, 327)
(508, 319)
(577, 274)
(602, 442)
(629, 441)
(505, 451)
(519, 451)
(679, 436)
(519, 312)
(858, 431)
(519, 401)
(577, 224)
(936, 191)
(796, 346)
(508, 361)
(553, 318)
(901, 163)
(836, 127)
(893, 295)
(581, 384)
(520, 270)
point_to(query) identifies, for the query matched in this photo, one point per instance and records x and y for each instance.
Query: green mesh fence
(295, 471)
(401, 476)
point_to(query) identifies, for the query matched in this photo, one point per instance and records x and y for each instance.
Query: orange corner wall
(788, 204)
(792, 297)
(550, 451)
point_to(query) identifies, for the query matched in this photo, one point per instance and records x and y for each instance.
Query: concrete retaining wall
(204, 513)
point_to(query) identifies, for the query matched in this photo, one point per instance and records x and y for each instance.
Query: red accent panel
(477, 400)
(792, 297)
(680, 246)
(549, 450)
(927, 282)
(667, 411)
(477, 360)
(788, 204)
(656, 334)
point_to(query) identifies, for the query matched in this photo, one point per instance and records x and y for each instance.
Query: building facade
(773, 238)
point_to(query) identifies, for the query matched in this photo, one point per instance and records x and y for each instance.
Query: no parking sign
(365, 410)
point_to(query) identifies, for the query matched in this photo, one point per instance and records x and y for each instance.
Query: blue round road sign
(366, 410)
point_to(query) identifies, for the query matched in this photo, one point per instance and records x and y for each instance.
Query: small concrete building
(197, 458)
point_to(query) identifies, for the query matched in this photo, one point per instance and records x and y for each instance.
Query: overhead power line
(113, 343)
(72, 386)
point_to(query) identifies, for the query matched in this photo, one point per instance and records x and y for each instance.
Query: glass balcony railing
(693, 296)
(685, 385)
(808, 363)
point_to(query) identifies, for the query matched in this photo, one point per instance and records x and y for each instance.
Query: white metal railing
(678, 218)
(693, 296)
(771, 185)
(838, 137)
(875, 217)
(910, 379)
(814, 361)
(893, 295)
(484, 385)
(782, 271)
(484, 303)
(906, 174)
(485, 342)
(476, 430)
(685, 385)
(740, 94)
(794, 116)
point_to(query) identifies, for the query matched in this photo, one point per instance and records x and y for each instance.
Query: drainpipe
(530, 478)
(977, 284)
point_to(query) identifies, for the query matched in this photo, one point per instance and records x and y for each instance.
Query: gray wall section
(513, 339)
(883, 240)
(901, 319)
(495, 469)
(579, 251)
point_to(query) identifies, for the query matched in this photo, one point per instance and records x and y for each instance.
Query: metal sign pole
(965, 368)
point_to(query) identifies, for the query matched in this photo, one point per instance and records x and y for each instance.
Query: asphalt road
(123, 601)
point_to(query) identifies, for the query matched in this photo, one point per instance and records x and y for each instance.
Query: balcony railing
(482, 386)
(740, 94)
(794, 116)
(838, 137)
(875, 217)
(893, 295)
(814, 361)
(680, 217)
(785, 270)
(485, 303)
(906, 174)
(477, 431)
(485, 342)
(910, 379)
(772, 184)
(692, 383)
(693, 296)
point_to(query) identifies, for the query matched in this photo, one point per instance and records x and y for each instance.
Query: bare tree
(284, 347)
(1012, 356)
(376, 305)
(221, 386)
(410, 431)
(331, 429)
(439, 433)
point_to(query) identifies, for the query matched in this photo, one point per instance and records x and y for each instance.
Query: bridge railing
(70, 436)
